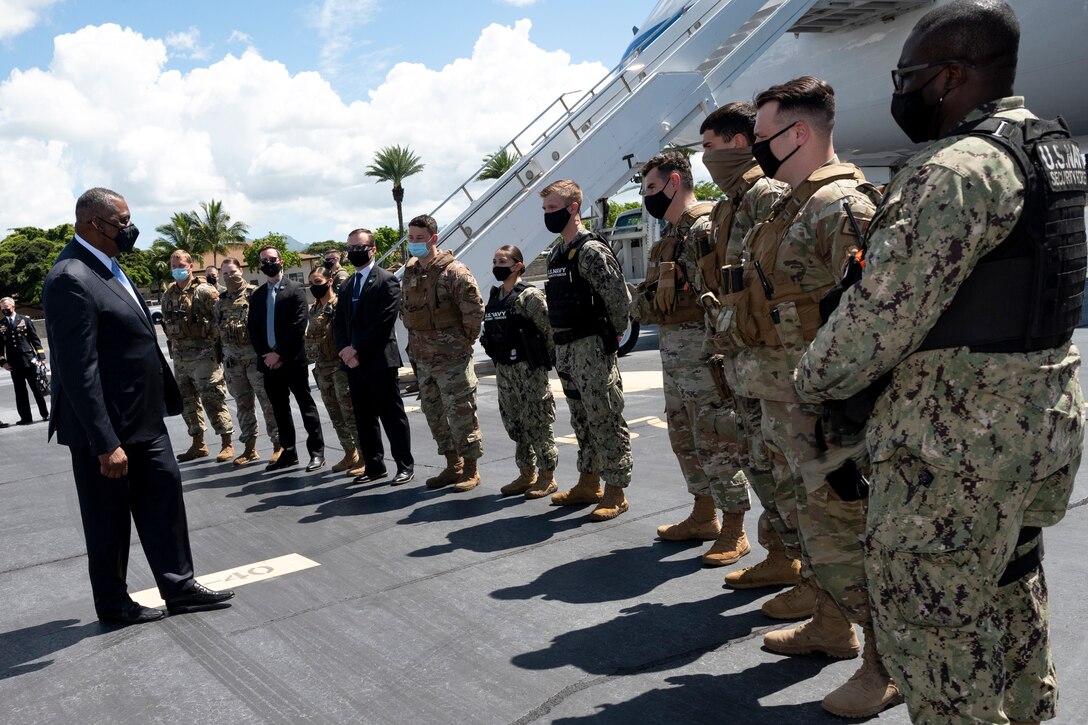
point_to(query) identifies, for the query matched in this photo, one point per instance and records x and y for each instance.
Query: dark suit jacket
(21, 342)
(110, 379)
(290, 323)
(373, 319)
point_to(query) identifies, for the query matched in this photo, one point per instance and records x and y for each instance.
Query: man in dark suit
(365, 314)
(277, 329)
(21, 354)
(110, 387)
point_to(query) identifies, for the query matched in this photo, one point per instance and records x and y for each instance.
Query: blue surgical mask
(180, 274)
(417, 249)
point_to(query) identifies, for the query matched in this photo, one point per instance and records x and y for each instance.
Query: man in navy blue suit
(111, 389)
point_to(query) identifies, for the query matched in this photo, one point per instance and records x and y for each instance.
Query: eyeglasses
(359, 247)
(899, 75)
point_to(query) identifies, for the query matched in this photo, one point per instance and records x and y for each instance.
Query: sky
(277, 108)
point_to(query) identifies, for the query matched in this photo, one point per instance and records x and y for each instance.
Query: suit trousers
(376, 396)
(22, 378)
(283, 382)
(151, 496)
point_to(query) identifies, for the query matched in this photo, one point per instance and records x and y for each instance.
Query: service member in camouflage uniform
(337, 274)
(588, 306)
(331, 379)
(443, 311)
(188, 319)
(518, 338)
(700, 416)
(975, 440)
(244, 380)
(796, 255)
(749, 195)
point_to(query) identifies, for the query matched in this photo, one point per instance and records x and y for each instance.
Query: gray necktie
(270, 324)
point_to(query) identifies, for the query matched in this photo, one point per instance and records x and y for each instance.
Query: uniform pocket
(789, 331)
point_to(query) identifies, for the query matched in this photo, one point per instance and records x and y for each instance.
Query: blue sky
(276, 107)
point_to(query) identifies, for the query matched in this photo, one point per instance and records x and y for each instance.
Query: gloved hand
(665, 297)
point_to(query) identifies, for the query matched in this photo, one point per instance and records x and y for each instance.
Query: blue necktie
(270, 324)
(356, 289)
(120, 275)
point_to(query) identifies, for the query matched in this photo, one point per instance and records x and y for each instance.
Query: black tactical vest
(572, 304)
(506, 334)
(1041, 265)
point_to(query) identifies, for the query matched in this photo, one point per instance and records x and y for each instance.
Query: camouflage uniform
(803, 246)
(967, 447)
(331, 378)
(244, 381)
(188, 319)
(526, 403)
(701, 420)
(443, 311)
(591, 378)
(337, 278)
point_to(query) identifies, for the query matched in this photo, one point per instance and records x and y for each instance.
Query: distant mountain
(295, 245)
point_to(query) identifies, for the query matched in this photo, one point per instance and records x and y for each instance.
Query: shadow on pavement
(21, 648)
(507, 533)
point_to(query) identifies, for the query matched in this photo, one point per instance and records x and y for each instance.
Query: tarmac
(374, 604)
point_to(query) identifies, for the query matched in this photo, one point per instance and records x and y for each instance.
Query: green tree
(279, 241)
(498, 164)
(322, 247)
(615, 209)
(395, 164)
(385, 238)
(158, 265)
(180, 233)
(215, 231)
(26, 255)
(707, 191)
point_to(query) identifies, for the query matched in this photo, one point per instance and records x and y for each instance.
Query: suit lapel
(105, 276)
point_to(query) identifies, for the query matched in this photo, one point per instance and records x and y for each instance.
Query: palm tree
(158, 261)
(497, 164)
(180, 232)
(394, 163)
(215, 231)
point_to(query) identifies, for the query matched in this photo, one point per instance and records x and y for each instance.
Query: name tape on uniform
(238, 576)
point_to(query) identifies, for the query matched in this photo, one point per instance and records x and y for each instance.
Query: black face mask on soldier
(556, 221)
(657, 204)
(502, 273)
(318, 290)
(212, 279)
(917, 118)
(271, 268)
(359, 257)
(766, 159)
(330, 263)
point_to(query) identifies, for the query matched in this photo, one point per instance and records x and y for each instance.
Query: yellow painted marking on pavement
(233, 578)
(411, 408)
(634, 381)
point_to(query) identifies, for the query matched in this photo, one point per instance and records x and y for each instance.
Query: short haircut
(230, 260)
(981, 32)
(7, 299)
(808, 97)
(567, 190)
(513, 252)
(731, 119)
(425, 221)
(208, 267)
(327, 252)
(668, 163)
(95, 202)
(181, 253)
(273, 247)
(364, 230)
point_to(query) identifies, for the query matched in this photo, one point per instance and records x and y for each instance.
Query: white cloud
(283, 151)
(518, 3)
(336, 22)
(237, 36)
(186, 44)
(18, 16)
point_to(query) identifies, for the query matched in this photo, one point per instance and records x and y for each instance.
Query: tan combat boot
(470, 476)
(249, 455)
(198, 449)
(587, 490)
(359, 470)
(277, 449)
(869, 691)
(797, 602)
(828, 632)
(778, 569)
(612, 505)
(348, 462)
(731, 544)
(525, 480)
(545, 484)
(700, 525)
(227, 451)
(450, 474)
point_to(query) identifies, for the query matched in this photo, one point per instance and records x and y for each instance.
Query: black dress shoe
(4, 425)
(287, 459)
(403, 476)
(370, 476)
(25, 421)
(131, 613)
(198, 599)
(316, 461)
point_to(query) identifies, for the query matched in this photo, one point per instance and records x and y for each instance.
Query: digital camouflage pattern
(244, 381)
(332, 380)
(526, 403)
(602, 273)
(966, 447)
(447, 395)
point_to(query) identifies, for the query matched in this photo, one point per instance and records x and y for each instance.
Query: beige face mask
(726, 166)
(234, 281)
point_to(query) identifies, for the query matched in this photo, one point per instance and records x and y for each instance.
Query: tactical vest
(179, 322)
(232, 315)
(506, 335)
(338, 280)
(320, 343)
(669, 249)
(1041, 265)
(428, 300)
(757, 305)
(721, 220)
(572, 303)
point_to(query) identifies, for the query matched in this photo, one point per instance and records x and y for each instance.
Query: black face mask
(271, 269)
(330, 263)
(556, 221)
(212, 279)
(766, 159)
(502, 273)
(657, 204)
(125, 239)
(318, 290)
(917, 118)
(9, 313)
(360, 257)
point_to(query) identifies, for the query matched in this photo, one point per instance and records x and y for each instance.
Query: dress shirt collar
(98, 253)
